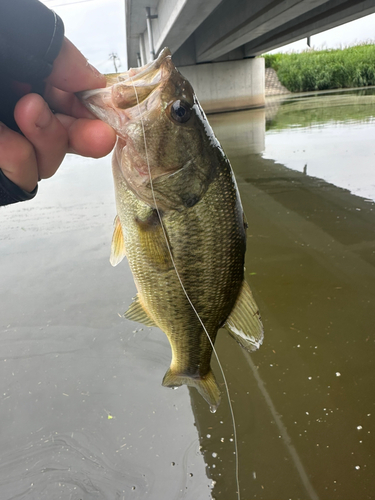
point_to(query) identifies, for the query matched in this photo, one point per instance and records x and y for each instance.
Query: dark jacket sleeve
(31, 36)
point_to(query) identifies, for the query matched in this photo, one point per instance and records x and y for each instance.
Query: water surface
(83, 412)
(304, 402)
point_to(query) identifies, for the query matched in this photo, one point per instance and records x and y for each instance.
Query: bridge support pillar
(228, 85)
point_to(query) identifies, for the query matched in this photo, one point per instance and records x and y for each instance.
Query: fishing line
(235, 441)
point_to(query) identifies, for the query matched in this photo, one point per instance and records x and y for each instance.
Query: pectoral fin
(118, 244)
(153, 241)
(244, 322)
(206, 386)
(137, 313)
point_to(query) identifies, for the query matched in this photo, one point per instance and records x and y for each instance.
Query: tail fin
(206, 386)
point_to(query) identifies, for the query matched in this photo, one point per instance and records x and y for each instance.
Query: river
(83, 412)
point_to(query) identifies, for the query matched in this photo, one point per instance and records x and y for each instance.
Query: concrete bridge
(214, 42)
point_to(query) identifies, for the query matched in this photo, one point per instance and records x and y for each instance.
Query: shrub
(325, 69)
(272, 60)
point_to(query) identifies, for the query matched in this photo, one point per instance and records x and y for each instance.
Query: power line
(70, 3)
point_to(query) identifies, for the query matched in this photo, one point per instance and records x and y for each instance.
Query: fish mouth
(115, 104)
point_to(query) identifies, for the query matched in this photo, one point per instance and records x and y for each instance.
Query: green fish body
(179, 220)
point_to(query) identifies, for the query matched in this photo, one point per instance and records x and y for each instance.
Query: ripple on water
(61, 466)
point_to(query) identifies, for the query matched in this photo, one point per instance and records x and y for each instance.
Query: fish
(180, 221)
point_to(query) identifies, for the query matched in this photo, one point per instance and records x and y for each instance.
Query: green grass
(325, 69)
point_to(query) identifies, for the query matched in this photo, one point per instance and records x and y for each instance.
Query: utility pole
(115, 58)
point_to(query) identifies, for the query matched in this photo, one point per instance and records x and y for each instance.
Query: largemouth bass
(179, 220)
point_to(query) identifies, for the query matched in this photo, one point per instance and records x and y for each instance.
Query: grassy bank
(325, 69)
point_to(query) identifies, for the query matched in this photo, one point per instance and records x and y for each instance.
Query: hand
(48, 137)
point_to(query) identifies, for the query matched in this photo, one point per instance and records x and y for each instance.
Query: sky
(97, 28)
(361, 30)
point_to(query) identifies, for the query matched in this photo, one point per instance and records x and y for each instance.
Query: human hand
(48, 137)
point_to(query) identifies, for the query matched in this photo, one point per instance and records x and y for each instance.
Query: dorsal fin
(244, 322)
(137, 313)
(118, 244)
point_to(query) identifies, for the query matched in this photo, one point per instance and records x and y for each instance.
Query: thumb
(72, 72)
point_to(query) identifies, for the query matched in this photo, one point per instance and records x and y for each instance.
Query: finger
(88, 137)
(17, 159)
(44, 131)
(66, 103)
(71, 71)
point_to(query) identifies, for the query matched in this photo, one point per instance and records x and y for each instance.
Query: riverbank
(324, 69)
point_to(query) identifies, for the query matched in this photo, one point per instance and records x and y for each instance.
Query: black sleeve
(31, 37)
(11, 193)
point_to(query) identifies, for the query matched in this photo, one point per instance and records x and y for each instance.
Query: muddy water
(82, 411)
(304, 403)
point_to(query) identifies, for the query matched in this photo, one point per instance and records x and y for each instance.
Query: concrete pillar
(229, 85)
(142, 49)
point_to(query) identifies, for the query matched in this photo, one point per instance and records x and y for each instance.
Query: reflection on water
(83, 414)
(327, 136)
(304, 403)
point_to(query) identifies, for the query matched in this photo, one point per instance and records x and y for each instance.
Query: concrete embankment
(272, 83)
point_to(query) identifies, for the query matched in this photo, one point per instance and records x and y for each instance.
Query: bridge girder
(213, 30)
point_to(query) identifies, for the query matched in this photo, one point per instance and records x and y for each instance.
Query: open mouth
(132, 89)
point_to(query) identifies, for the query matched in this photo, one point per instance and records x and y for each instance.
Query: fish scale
(205, 241)
(179, 220)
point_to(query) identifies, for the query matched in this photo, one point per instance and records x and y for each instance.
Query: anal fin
(244, 322)
(137, 313)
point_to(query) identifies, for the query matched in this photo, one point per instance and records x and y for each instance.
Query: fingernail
(44, 118)
(97, 74)
(94, 70)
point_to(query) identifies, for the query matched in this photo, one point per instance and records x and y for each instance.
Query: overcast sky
(97, 28)
(361, 30)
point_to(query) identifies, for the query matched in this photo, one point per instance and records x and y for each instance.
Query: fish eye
(180, 111)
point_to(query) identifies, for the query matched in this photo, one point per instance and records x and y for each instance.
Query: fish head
(164, 147)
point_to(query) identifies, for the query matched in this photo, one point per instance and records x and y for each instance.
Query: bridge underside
(213, 42)
(223, 30)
